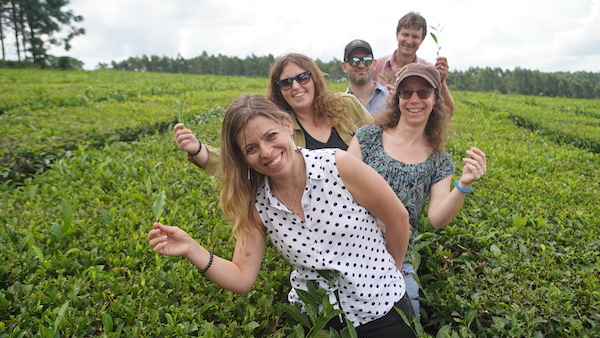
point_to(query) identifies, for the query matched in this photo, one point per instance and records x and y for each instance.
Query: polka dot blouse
(338, 235)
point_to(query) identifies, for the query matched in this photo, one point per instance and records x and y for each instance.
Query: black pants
(389, 326)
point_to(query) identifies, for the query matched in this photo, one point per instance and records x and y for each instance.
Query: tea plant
(520, 259)
(48, 114)
(159, 205)
(180, 112)
(313, 316)
(507, 231)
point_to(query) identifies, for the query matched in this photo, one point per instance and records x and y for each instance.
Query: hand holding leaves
(387, 77)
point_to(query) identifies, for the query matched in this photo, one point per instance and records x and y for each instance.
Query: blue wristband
(461, 189)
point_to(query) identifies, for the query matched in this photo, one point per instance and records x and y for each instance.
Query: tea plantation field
(84, 155)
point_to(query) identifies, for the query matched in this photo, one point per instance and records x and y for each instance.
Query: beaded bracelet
(198, 152)
(210, 260)
(463, 190)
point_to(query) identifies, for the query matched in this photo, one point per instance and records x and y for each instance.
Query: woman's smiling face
(415, 109)
(267, 145)
(299, 97)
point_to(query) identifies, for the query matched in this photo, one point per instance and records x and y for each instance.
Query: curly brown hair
(435, 130)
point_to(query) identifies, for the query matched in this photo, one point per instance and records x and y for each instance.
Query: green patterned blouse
(411, 182)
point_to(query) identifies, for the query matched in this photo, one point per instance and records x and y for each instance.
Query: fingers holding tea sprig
(170, 240)
(391, 93)
(441, 64)
(185, 139)
(475, 166)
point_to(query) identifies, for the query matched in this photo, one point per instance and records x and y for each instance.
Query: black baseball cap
(356, 44)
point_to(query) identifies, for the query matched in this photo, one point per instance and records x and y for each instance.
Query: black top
(335, 141)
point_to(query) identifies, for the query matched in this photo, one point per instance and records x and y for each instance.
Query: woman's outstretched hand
(170, 241)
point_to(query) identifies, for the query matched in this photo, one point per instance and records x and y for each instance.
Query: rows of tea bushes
(566, 121)
(75, 258)
(520, 260)
(47, 114)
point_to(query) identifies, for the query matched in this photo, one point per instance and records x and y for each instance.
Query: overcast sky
(531, 34)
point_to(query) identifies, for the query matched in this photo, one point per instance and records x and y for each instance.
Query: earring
(248, 172)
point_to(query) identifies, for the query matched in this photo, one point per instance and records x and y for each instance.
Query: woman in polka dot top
(320, 210)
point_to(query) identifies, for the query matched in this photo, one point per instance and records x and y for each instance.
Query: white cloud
(533, 34)
(584, 38)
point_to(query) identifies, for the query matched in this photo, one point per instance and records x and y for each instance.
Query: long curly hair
(435, 129)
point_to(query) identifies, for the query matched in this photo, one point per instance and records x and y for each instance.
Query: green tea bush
(565, 121)
(521, 259)
(81, 244)
(48, 113)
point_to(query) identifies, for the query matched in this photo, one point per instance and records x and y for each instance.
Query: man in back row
(410, 33)
(359, 66)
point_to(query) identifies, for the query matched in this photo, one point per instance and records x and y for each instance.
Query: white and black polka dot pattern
(338, 235)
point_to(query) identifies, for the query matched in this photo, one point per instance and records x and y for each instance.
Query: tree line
(34, 26)
(475, 79)
(582, 85)
(251, 66)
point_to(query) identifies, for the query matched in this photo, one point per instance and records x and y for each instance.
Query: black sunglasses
(366, 60)
(286, 84)
(423, 94)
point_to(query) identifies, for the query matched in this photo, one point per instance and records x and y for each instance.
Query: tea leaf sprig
(159, 205)
(180, 114)
(435, 37)
(387, 77)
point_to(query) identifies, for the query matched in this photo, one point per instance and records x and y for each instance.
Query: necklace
(295, 194)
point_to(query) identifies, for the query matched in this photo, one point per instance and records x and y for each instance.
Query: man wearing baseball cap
(359, 65)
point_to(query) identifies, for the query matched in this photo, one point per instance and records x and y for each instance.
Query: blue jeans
(412, 288)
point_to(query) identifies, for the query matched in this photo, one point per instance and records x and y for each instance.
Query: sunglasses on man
(366, 60)
(286, 84)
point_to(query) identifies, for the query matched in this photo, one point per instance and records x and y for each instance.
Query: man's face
(409, 41)
(361, 74)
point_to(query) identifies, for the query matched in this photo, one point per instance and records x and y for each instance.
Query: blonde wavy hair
(239, 181)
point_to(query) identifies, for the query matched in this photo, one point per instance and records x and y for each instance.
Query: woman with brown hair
(405, 147)
(320, 118)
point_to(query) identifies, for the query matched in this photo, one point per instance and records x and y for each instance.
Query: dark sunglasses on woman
(423, 94)
(286, 84)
